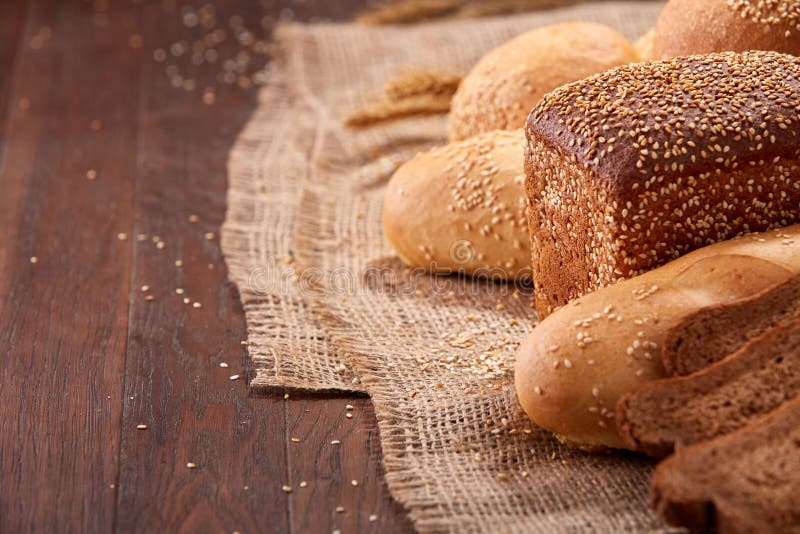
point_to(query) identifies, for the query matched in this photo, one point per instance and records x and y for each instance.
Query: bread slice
(711, 333)
(747, 481)
(674, 412)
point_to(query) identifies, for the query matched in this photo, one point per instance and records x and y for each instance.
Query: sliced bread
(746, 481)
(674, 412)
(712, 333)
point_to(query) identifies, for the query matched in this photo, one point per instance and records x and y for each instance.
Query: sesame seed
(191, 465)
(141, 427)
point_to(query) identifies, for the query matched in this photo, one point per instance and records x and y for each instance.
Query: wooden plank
(12, 22)
(337, 460)
(63, 318)
(330, 469)
(174, 383)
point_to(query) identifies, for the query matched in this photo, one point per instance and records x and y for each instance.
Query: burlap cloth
(329, 307)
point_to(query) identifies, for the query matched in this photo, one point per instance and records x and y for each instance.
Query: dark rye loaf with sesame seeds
(746, 481)
(631, 168)
(675, 412)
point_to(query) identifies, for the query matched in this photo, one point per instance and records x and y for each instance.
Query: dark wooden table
(113, 127)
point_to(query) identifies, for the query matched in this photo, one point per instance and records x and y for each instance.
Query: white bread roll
(461, 208)
(688, 27)
(577, 363)
(507, 82)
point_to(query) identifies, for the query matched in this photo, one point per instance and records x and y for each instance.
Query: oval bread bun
(576, 364)
(688, 27)
(644, 46)
(510, 80)
(461, 208)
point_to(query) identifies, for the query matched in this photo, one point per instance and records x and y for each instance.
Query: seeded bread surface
(687, 27)
(631, 168)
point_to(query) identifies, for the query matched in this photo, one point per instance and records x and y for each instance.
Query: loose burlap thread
(329, 306)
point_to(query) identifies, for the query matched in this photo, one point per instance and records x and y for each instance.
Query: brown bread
(702, 26)
(710, 334)
(631, 168)
(674, 412)
(575, 365)
(746, 481)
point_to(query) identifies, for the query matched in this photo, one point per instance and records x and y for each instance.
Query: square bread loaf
(634, 167)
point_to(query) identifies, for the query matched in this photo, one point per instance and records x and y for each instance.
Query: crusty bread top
(654, 134)
(769, 12)
(703, 26)
(499, 92)
(636, 124)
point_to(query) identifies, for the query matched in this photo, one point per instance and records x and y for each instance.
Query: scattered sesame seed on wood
(191, 465)
(141, 427)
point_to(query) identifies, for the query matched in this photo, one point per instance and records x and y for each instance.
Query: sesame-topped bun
(703, 26)
(507, 82)
(576, 364)
(461, 208)
(629, 169)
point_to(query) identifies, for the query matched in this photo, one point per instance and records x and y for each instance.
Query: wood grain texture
(12, 19)
(173, 382)
(338, 457)
(86, 357)
(64, 318)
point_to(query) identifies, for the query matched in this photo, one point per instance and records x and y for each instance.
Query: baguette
(576, 364)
